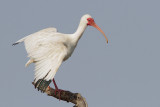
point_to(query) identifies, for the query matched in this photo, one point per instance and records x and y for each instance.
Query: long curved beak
(98, 28)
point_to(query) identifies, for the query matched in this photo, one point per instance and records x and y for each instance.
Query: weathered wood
(68, 96)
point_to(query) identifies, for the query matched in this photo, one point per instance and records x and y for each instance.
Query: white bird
(48, 48)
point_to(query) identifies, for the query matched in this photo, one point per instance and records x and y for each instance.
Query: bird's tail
(42, 85)
(19, 41)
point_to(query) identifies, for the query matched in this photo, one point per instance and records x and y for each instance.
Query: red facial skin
(92, 23)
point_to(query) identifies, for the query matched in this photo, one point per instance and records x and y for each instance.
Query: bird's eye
(89, 19)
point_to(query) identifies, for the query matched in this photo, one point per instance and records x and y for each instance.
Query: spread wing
(32, 37)
(47, 57)
(41, 37)
(47, 50)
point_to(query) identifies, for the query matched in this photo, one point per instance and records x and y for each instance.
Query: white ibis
(48, 48)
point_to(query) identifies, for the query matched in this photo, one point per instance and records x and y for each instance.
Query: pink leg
(56, 89)
(55, 84)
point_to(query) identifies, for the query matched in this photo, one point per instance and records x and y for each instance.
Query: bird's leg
(55, 84)
(56, 89)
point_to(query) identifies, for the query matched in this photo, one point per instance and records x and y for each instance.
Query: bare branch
(68, 96)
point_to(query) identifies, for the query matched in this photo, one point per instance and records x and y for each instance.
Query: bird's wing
(48, 57)
(41, 37)
(47, 31)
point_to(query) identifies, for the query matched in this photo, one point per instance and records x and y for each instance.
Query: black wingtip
(15, 43)
(42, 85)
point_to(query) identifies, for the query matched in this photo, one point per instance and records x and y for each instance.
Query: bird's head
(90, 22)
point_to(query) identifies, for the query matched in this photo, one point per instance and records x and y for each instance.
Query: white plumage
(48, 48)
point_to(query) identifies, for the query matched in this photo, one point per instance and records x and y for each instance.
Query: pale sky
(124, 73)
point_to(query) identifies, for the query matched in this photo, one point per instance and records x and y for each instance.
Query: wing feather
(46, 31)
(47, 50)
(47, 59)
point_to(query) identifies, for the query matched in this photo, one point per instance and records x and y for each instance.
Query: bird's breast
(70, 49)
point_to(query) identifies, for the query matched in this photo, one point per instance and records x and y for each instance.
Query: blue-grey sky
(124, 73)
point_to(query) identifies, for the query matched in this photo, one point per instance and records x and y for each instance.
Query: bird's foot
(59, 93)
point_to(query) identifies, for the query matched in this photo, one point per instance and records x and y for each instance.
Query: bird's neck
(79, 32)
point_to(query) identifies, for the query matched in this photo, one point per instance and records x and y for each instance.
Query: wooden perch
(68, 96)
